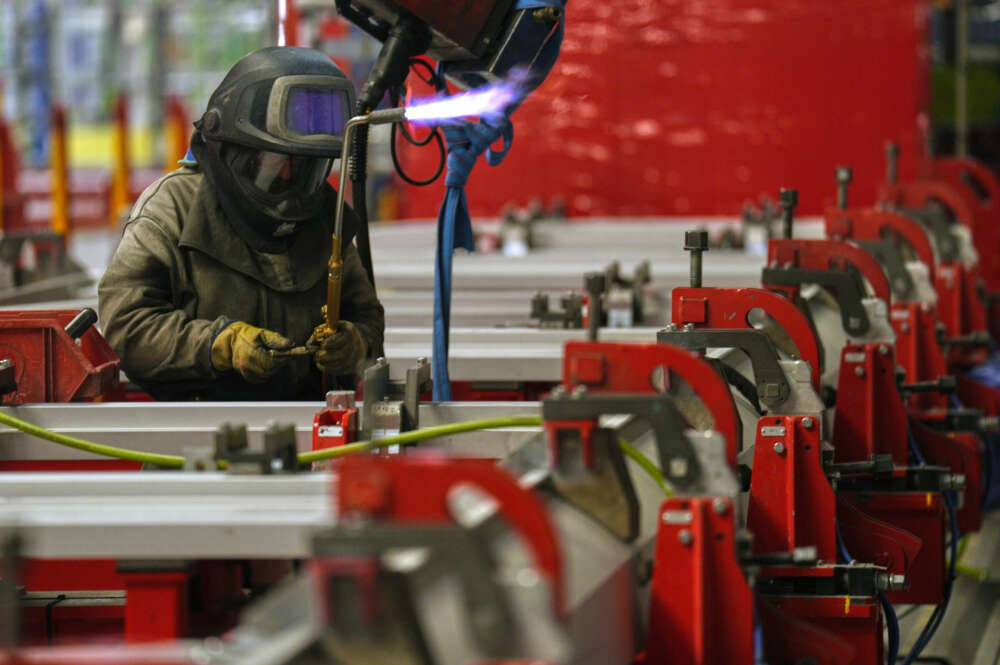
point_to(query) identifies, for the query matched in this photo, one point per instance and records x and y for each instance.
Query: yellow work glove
(341, 353)
(245, 348)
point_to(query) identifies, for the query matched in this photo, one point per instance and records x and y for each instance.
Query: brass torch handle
(335, 279)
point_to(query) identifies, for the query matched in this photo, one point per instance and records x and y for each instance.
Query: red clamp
(828, 255)
(981, 190)
(874, 223)
(730, 308)
(608, 367)
(49, 365)
(414, 489)
(336, 425)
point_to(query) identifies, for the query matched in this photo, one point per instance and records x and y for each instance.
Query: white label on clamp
(900, 314)
(677, 517)
(776, 430)
(854, 357)
(330, 430)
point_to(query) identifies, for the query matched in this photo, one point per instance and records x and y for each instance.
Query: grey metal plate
(165, 515)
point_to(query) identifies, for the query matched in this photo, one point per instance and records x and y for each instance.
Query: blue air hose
(466, 142)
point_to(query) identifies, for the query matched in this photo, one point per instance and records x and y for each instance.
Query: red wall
(672, 107)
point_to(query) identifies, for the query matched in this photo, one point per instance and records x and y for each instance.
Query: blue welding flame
(488, 101)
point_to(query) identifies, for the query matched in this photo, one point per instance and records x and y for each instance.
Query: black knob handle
(81, 323)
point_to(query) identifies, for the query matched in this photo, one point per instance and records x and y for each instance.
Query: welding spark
(479, 102)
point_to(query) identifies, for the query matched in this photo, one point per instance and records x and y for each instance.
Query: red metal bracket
(829, 255)
(333, 428)
(608, 367)
(922, 515)
(962, 453)
(874, 541)
(870, 418)
(729, 308)
(791, 503)
(50, 366)
(698, 586)
(826, 630)
(157, 607)
(415, 489)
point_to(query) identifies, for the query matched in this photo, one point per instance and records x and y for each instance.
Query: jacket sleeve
(359, 304)
(155, 339)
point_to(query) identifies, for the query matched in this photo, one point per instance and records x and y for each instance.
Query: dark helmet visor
(309, 111)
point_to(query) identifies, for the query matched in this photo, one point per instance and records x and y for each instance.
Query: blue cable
(466, 142)
(935, 621)
(892, 622)
(913, 446)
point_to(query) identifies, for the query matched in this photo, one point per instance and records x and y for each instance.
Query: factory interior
(509, 332)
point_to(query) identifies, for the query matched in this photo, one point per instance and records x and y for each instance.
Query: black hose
(744, 386)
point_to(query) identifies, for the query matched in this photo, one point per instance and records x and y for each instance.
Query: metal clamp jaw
(588, 466)
(846, 284)
(571, 315)
(280, 452)
(773, 388)
(833, 264)
(624, 296)
(383, 410)
(889, 255)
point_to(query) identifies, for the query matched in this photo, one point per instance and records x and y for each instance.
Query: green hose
(418, 435)
(646, 465)
(175, 461)
(172, 461)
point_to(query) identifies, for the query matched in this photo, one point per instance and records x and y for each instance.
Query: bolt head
(844, 174)
(779, 448)
(808, 422)
(720, 507)
(688, 327)
(789, 198)
(685, 537)
(883, 350)
(696, 241)
(859, 371)
(678, 467)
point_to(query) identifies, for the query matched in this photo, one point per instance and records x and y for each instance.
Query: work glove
(246, 349)
(340, 354)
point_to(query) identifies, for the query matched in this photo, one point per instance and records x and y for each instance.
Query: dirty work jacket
(181, 273)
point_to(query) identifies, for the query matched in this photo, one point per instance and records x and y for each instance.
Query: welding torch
(335, 274)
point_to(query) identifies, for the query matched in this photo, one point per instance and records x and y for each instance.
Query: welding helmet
(270, 134)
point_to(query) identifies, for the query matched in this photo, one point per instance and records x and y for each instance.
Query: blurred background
(655, 108)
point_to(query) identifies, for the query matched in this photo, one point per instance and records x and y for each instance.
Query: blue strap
(466, 141)
(188, 159)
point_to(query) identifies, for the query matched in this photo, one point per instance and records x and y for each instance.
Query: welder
(221, 273)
